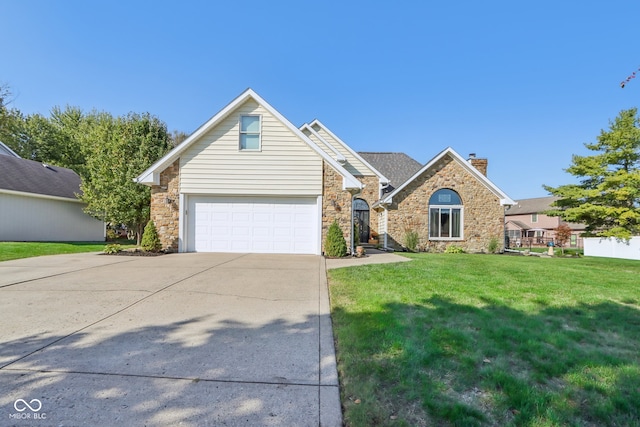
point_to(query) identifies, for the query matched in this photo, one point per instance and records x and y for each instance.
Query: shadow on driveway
(218, 340)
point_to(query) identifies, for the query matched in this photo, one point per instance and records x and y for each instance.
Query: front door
(361, 220)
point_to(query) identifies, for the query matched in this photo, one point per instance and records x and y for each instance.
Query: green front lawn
(458, 339)
(15, 250)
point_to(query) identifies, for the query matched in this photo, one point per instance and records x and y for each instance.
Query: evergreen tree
(607, 199)
(335, 245)
(150, 239)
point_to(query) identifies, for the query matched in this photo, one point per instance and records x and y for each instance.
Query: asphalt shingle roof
(28, 176)
(527, 206)
(397, 167)
(520, 224)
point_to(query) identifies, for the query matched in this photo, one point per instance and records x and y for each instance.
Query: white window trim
(241, 132)
(450, 239)
(534, 218)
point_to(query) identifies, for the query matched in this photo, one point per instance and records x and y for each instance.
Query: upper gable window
(250, 132)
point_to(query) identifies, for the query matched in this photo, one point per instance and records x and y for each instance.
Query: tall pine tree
(607, 199)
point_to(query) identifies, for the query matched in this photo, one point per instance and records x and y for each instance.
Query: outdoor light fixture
(168, 201)
(336, 205)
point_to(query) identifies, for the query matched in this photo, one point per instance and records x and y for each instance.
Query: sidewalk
(373, 256)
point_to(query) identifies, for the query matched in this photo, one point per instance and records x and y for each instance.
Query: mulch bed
(137, 253)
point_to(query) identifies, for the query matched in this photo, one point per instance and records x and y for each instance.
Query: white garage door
(253, 225)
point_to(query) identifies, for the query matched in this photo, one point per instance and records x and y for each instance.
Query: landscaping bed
(135, 252)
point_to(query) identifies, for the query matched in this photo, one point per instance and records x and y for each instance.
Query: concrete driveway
(181, 339)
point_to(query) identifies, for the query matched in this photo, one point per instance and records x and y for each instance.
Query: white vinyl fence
(612, 248)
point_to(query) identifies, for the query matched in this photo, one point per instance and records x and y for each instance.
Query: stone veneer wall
(483, 214)
(336, 204)
(166, 216)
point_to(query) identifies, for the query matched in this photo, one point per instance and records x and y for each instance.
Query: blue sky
(522, 83)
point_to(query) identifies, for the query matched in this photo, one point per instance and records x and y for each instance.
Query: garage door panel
(217, 246)
(241, 231)
(240, 216)
(259, 225)
(299, 233)
(220, 217)
(261, 232)
(264, 218)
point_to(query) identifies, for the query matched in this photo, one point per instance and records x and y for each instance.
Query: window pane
(455, 223)
(433, 222)
(250, 124)
(445, 222)
(360, 205)
(249, 142)
(445, 197)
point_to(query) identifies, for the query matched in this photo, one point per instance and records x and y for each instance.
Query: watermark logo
(34, 406)
(21, 405)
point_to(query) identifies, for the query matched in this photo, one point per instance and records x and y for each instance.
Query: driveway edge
(329, 390)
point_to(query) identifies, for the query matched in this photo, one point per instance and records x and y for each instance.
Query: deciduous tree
(11, 121)
(562, 235)
(177, 137)
(116, 151)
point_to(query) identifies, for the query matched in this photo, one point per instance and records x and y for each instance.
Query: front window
(534, 217)
(445, 216)
(249, 132)
(514, 234)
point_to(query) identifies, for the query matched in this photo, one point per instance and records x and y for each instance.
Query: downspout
(386, 229)
(385, 213)
(504, 228)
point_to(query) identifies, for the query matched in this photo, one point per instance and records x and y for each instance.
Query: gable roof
(435, 162)
(398, 167)
(27, 176)
(535, 205)
(317, 123)
(330, 149)
(519, 224)
(151, 176)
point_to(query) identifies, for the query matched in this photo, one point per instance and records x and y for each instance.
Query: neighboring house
(38, 202)
(250, 181)
(527, 224)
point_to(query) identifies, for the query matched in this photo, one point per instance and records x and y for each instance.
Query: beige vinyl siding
(29, 218)
(353, 165)
(285, 165)
(382, 226)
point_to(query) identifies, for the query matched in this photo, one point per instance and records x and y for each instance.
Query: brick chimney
(480, 164)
